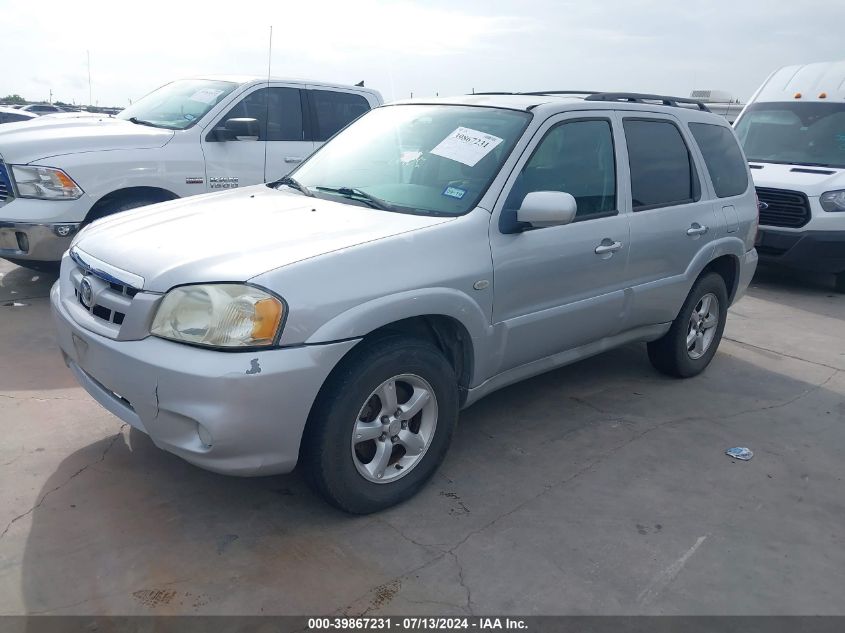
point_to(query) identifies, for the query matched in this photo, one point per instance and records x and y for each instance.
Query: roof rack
(539, 93)
(593, 95)
(634, 97)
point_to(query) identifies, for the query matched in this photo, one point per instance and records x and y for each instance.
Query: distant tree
(15, 98)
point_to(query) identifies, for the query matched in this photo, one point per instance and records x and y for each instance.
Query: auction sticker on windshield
(466, 146)
(206, 95)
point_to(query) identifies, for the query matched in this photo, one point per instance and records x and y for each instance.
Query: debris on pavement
(740, 452)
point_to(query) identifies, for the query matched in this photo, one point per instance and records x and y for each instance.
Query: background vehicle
(793, 132)
(11, 115)
(41, 108)
(719, 102)
(431, 253)
(187, 137)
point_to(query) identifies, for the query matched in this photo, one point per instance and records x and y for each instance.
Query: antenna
(90, 98)
(267, 114)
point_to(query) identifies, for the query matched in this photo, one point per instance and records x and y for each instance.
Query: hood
(813, 181)
(235, 235)
(45, 137)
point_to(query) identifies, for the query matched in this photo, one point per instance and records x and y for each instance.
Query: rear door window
(335, 110)
(662, 170)
(723, 158)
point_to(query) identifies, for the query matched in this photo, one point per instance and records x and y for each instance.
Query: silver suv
(429, 254)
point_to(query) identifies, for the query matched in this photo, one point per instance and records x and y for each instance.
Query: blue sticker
(455, 192)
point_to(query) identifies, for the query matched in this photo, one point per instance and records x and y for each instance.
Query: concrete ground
(600, 488)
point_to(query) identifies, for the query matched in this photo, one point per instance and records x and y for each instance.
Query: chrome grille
(5, 183)
(784, 208)
(105, 300)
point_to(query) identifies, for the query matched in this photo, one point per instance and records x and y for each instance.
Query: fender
(359, 321)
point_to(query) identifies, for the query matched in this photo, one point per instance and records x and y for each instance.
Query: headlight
(45, 183)
(833, 200)
(219, 315)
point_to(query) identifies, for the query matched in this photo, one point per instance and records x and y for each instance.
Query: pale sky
(428, 47)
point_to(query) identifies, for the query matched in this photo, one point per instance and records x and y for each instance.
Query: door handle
(697, 229)
(293, 159)
(608, 247)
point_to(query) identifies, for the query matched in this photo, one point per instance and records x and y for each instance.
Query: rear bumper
(816, 251)
(746, 274)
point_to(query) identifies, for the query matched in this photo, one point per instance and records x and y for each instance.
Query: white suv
(189, 136)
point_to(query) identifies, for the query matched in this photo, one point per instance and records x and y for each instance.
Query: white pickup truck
(190, 136)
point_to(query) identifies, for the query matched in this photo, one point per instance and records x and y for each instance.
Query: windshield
(178, 105)
(432, 159)
(794, 133)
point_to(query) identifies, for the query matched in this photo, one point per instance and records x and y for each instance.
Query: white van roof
(810, 81)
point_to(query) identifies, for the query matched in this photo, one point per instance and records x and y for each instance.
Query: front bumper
(816, 251)
(238, 413)
(39, 242)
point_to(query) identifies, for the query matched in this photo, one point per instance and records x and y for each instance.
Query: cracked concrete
(598, 488)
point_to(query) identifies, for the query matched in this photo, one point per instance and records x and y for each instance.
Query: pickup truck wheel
(121, 205)
(839, 282)
(381, 424)
(690, 344)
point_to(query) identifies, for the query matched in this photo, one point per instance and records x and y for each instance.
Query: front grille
(790, 209)
(110, 301)
(5, 183)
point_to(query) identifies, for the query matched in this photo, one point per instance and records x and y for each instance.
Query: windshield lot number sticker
(454, 192)
(466, 146)
(206, 95)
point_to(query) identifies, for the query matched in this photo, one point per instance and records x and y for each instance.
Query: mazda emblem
(86, 293)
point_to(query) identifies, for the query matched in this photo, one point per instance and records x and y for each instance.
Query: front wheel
(381, 425)
(839, 282)
(690, 344)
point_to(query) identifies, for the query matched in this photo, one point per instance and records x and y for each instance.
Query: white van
(190, 136)
(793, 133)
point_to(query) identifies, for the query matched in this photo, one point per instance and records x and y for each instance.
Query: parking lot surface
(599, 488)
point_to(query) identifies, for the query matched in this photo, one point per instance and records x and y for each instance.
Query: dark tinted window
(662, 171)
(723, 157)
(577, 158)
(285, 110)
(10, 117)
(335, 110)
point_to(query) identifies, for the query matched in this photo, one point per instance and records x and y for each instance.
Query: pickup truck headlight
(44, 183)
(219, 315)
(833, 200)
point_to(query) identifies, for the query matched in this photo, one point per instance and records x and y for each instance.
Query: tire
(839, 282)
(121, 205)
(51, 268)
(344, 469)
(671, 353)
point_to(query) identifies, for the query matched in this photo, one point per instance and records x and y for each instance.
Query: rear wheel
(690, 344)
(839, 282)
(381, 424)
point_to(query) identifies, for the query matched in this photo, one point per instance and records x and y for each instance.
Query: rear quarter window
(724, 160)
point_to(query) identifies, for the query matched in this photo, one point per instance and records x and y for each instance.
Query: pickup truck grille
(790, 209)
(105, 300)
(5, 183)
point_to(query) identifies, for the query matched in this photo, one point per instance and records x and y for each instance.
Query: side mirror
(547, 208)
(243, 129)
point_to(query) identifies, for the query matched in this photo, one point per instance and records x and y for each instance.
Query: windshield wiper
(358, 194)
(293, 183)
(137, 121)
